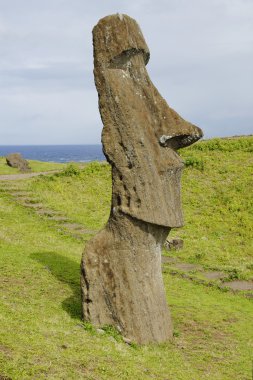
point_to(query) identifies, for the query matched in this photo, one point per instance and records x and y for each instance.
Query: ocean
(56, 153)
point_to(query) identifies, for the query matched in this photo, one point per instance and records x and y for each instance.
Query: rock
(15, 160)
(188, 267)
(121, 278)
(112, 339)
(168, 260)
(176, 244)
(101, 331)
(238, 285)
(216, 275)
(127, 341)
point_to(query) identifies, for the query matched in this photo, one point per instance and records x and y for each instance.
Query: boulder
(121, 278)
(15, 160)
(174, 244)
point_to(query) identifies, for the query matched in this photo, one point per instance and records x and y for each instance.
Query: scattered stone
(173, 244)
(15, 160)
(238, 285)
(101, 331)
(188, 267)
(85, 231)
(20, 193)
(16, 177)
(33, 205)
(78, 228)
(26, 199)
(214, 275)
(73, 226)
(121, 277)
(6, 186)
(48, 213)
(59, 218)
(80, 326)
(168, 260)
(127, 341)
(112, 339)
(76, 236)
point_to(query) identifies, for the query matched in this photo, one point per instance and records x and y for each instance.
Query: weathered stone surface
(187, 267)
(216, 275)
(175, 244)
(15, 160)
(121, 276)
(169, 260)
(238, 285)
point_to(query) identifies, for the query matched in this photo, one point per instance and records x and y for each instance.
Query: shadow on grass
(66, 271)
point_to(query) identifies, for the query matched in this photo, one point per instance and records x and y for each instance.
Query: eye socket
(122, 60)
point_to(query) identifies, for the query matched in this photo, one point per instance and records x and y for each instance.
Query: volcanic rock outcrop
(16, 160)
(121, 277)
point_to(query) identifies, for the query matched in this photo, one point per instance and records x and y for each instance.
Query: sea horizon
(4, 145)
(56, 153)
(64, 153)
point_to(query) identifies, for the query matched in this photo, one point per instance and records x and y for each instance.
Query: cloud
(59, 117)
(201, 54)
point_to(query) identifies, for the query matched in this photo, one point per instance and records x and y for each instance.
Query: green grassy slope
(218, 205)
(42, 335)
(36, 166)
(217, 199)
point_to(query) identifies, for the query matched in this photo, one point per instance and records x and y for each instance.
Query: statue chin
(158, 202)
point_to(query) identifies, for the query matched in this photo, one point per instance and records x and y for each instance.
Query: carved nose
(180, 140)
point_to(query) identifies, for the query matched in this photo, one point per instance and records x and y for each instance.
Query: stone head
(141, 133)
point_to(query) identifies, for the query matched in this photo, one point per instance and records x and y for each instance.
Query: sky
(201, 62)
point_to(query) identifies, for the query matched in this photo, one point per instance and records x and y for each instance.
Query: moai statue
(121, 276)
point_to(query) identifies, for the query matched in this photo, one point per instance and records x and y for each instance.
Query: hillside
(45, 222)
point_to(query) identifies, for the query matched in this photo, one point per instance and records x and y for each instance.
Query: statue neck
(136, 232)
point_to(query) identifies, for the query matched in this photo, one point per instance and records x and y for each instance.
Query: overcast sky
(201, 62)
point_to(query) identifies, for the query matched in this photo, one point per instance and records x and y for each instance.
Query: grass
(84, 195)
(218, 206)
(36, 166)
(217, 202)
(42, 335)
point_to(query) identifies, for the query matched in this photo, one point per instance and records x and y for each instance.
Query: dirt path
(172, 265)
(15, 177)
(26, 198)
